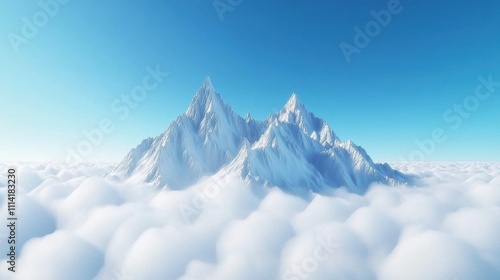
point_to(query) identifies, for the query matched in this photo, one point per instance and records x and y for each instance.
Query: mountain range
(292, 149)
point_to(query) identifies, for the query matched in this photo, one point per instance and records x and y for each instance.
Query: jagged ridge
(292, 149)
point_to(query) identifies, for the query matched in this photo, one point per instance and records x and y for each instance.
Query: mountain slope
(292, 149)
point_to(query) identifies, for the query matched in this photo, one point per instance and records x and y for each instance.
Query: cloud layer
(74, 224)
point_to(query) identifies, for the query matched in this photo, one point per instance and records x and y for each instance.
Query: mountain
(292, 149)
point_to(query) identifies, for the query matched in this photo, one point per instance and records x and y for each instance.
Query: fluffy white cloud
(59, 255)
(75, 224)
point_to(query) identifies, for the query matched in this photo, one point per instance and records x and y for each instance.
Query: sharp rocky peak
(292, 149)
(205, 100)
(207, 84)
(293, 104)
(295, 112)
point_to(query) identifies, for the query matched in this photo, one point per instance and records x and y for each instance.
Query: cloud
(59, 255)
(74, 224)
(434, 255)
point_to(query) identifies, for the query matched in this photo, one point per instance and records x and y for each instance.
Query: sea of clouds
(76, 224)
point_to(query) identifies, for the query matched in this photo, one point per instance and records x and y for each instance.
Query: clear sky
(64, 75)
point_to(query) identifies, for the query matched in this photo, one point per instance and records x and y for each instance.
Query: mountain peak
(294, 110)
(248, 117)
(292, 149)
(293, 103)
(205, 100)
(207, 84)
(294, 97)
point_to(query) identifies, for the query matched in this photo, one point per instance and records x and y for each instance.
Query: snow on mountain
(295, 112)
(292, 149)
(199, 142)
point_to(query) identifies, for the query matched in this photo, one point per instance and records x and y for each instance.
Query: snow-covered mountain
(292, 150)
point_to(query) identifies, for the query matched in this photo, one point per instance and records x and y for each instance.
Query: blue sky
(65, 78)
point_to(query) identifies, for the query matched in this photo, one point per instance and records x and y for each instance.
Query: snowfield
(74, 223)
